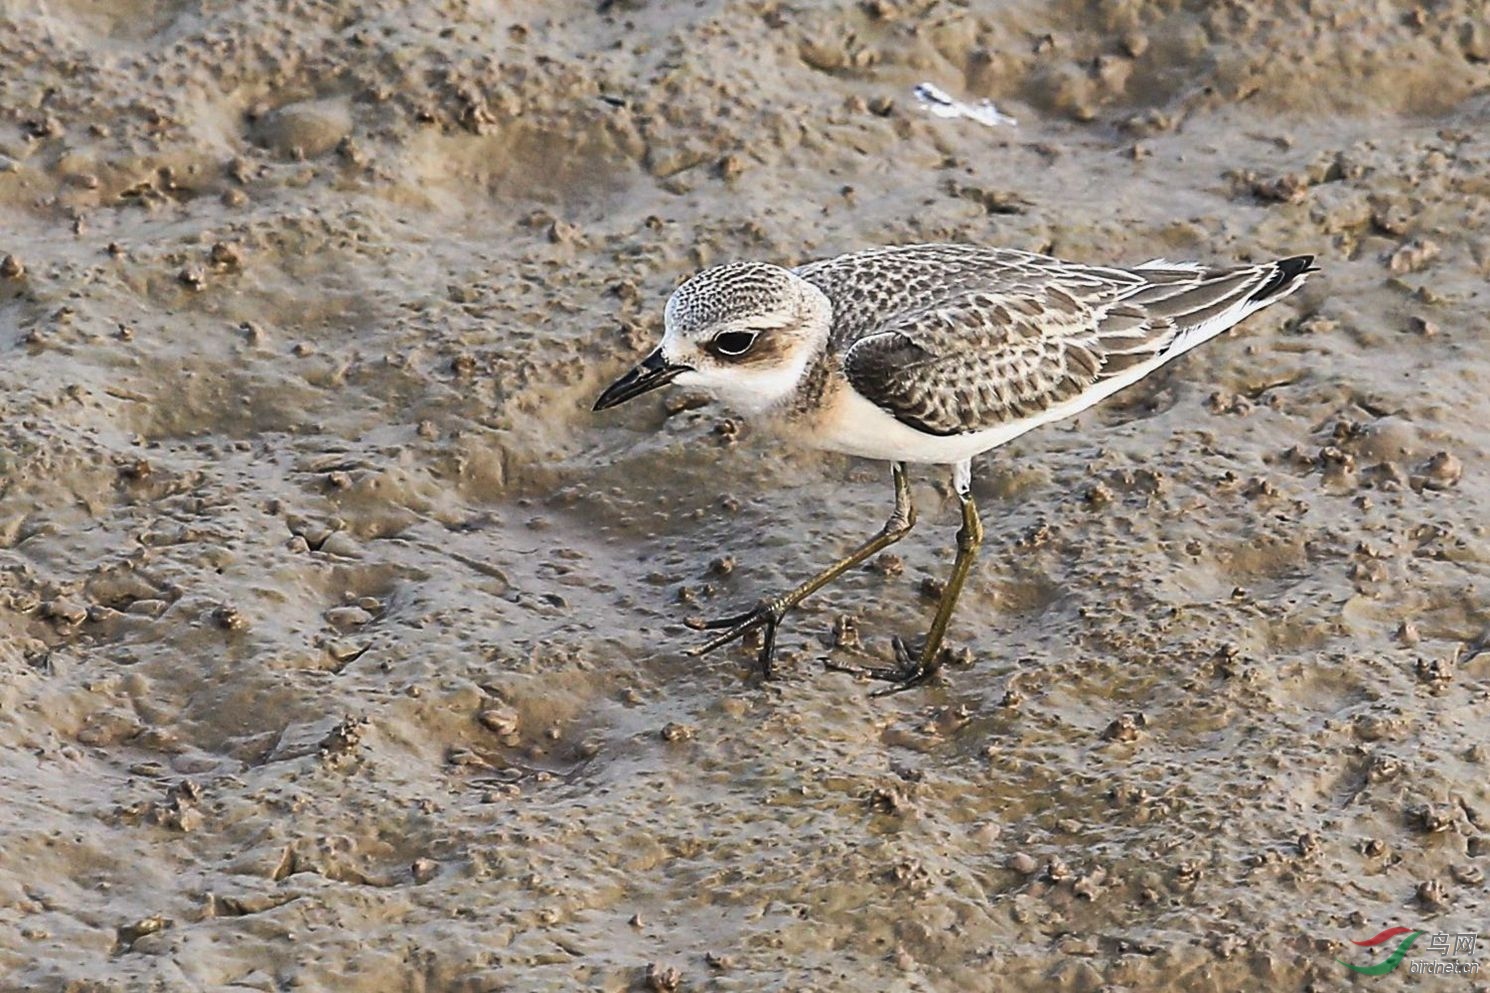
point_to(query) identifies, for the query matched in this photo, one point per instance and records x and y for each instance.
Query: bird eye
(733, 343)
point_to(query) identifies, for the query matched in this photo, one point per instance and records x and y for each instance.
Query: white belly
(854, 426)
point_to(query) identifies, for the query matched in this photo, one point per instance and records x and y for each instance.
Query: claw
(909, 670)
(727, 622)
(765, 615)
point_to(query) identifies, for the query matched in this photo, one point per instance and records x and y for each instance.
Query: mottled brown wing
(883, 283)
(983, 359)
(957, 339)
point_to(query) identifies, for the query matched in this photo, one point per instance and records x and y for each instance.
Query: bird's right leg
(914, 669)
(767, 614)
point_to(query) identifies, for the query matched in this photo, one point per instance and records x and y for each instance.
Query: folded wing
(1045, 336)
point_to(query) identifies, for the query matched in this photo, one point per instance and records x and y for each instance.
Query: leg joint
(970, 535)
(900, 523)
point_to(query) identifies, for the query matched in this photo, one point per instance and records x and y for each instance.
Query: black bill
(653, 372)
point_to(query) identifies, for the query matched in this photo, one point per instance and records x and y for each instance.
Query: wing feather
(1039, 333)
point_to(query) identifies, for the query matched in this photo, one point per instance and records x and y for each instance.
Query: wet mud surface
(341, 645)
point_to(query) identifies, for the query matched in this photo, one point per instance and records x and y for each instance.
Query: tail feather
(1218, 301)
(1286, 273)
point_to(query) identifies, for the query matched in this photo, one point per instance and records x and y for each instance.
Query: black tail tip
(1285, 272)
(1296, 265)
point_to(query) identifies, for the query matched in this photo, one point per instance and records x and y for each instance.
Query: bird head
(745, 332)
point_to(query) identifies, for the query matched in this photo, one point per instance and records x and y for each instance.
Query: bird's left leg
(914, 669)
(767, 615)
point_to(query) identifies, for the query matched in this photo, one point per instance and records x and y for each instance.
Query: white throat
(752, 392)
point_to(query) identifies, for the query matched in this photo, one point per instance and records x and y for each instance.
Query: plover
(931, 354)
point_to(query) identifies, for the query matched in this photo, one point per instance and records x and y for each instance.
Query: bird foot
(909, 671)
(764, 616)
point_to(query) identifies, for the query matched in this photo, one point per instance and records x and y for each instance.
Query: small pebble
(348, 617)
(1467, 874)
(1433, 895)
(1442, 471)
(846, 632)
(65, 610)
(342, 545)
(1023, 864)
(501, 722)
(729, 167)
(225, 256)
(1413, 256)
(1431, 818)
(1288, 188)
(674, 731)
(1125, 727)
(229, 618)
(128, 934)
(663, 979)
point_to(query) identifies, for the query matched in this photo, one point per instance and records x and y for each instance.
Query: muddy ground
(341, 644)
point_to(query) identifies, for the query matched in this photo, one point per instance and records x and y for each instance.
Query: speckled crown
(729, 292)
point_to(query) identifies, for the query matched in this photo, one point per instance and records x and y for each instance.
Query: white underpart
(747, 391)
(1163, 263)
(962, 478)
(869, 432)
